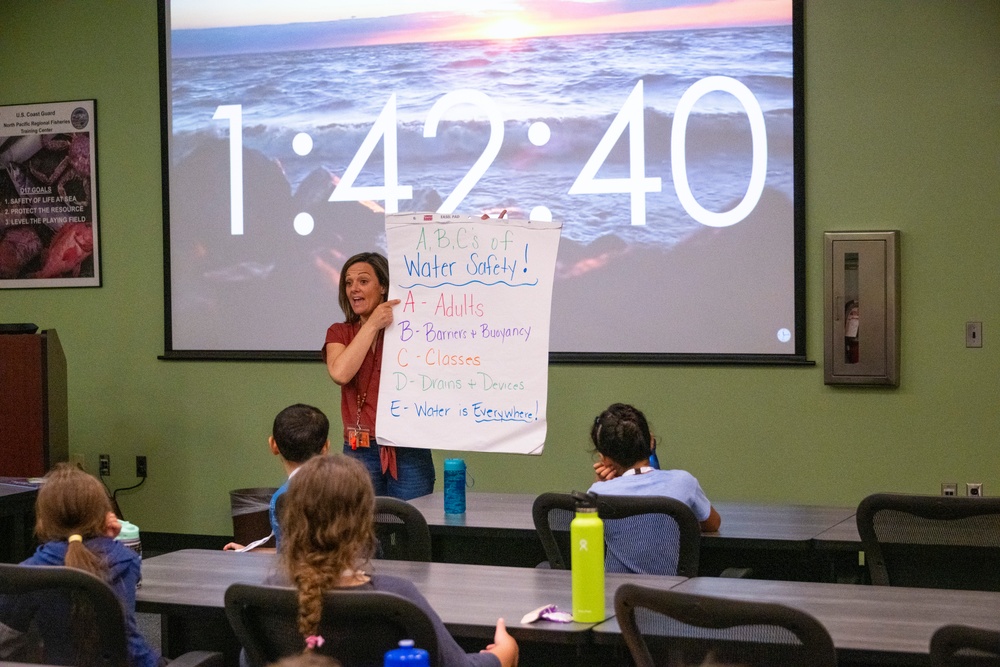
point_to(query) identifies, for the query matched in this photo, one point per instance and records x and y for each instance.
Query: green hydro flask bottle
(586, 533)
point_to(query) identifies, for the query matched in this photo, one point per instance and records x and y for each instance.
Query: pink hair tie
(313, 642)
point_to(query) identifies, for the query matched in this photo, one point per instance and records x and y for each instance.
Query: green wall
(902, 132)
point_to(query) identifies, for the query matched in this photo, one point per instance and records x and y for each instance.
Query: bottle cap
(406, 656)
(130, 531)
(585, 502)
(454, 464)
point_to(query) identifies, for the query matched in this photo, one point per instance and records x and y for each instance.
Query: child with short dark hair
(299, 433)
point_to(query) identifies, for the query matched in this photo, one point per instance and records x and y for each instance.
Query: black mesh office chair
(70, 617)
(931, 541)
(678, 534)
(358, 627)
(964, 646)
(663, 627)
(401, 530)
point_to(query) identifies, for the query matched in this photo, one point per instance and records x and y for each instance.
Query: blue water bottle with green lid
(407, 656)
(454, 486)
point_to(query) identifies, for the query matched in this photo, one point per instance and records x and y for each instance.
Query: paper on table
(256, 543)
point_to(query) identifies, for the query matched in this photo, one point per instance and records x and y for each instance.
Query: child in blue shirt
(299, 433)
(77, 526)
(624, 446)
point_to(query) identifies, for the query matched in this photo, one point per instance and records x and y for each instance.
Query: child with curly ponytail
(328, 523)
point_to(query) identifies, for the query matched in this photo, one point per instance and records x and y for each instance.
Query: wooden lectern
(34, 432)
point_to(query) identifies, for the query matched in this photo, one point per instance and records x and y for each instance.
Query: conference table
(838, 550)
(774, 541)
(868, 624)
(17, 518)
(187, 588)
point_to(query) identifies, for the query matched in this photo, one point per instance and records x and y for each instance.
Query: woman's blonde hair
(71, 502)
(327, 522)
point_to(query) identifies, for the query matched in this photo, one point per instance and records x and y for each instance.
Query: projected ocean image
(572, 87)
(342, 121)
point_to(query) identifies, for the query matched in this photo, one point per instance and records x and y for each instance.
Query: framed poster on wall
(48, 195)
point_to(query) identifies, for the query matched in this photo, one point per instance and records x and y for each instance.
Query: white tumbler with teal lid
(130, 536)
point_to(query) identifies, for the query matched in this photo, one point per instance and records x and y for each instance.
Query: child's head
(307, 660)
(328, 521)
(621, 434)
(70, 502)
(73, 506)
(329, 508)
(300, 432)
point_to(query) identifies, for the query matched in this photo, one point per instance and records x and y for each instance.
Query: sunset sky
(443, 20)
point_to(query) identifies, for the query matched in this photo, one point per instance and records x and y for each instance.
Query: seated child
(623, 443)
(75, 522)
(299, 433)
(328, 516)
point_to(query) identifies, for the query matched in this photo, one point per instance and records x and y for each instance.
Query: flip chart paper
(465, 362)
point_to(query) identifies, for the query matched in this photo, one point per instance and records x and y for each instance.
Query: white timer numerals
(637, 184)
(384, 129)
(477, 99)
(234, 112)
(630, 117)
(678, 151)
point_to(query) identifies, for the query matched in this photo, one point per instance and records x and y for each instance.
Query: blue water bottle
(454, 486)
(407, 656)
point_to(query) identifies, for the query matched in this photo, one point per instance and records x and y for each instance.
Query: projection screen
(665, 136)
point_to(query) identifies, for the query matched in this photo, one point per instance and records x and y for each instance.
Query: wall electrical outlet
(140, 466)
(949, 488)
(974, 489)
(104, 465)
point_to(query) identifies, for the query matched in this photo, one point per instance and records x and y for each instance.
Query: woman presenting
(353, 356)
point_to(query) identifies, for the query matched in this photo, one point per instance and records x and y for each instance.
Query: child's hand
(232, 546)
(112, 527)
(604, 472)
(504, 646)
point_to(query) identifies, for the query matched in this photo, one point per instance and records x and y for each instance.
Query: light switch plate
(973, 334)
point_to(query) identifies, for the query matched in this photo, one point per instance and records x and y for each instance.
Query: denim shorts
(415, 468)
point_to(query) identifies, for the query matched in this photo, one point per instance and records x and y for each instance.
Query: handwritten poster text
(465, 364)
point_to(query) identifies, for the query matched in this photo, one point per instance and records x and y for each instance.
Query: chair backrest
(961, 646)
(69, 611)
(642, 534)
(401, 530)
(357, 627)
(662, 627)
(931, 541)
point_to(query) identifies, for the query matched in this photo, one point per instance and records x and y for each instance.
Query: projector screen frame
(796, 358)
